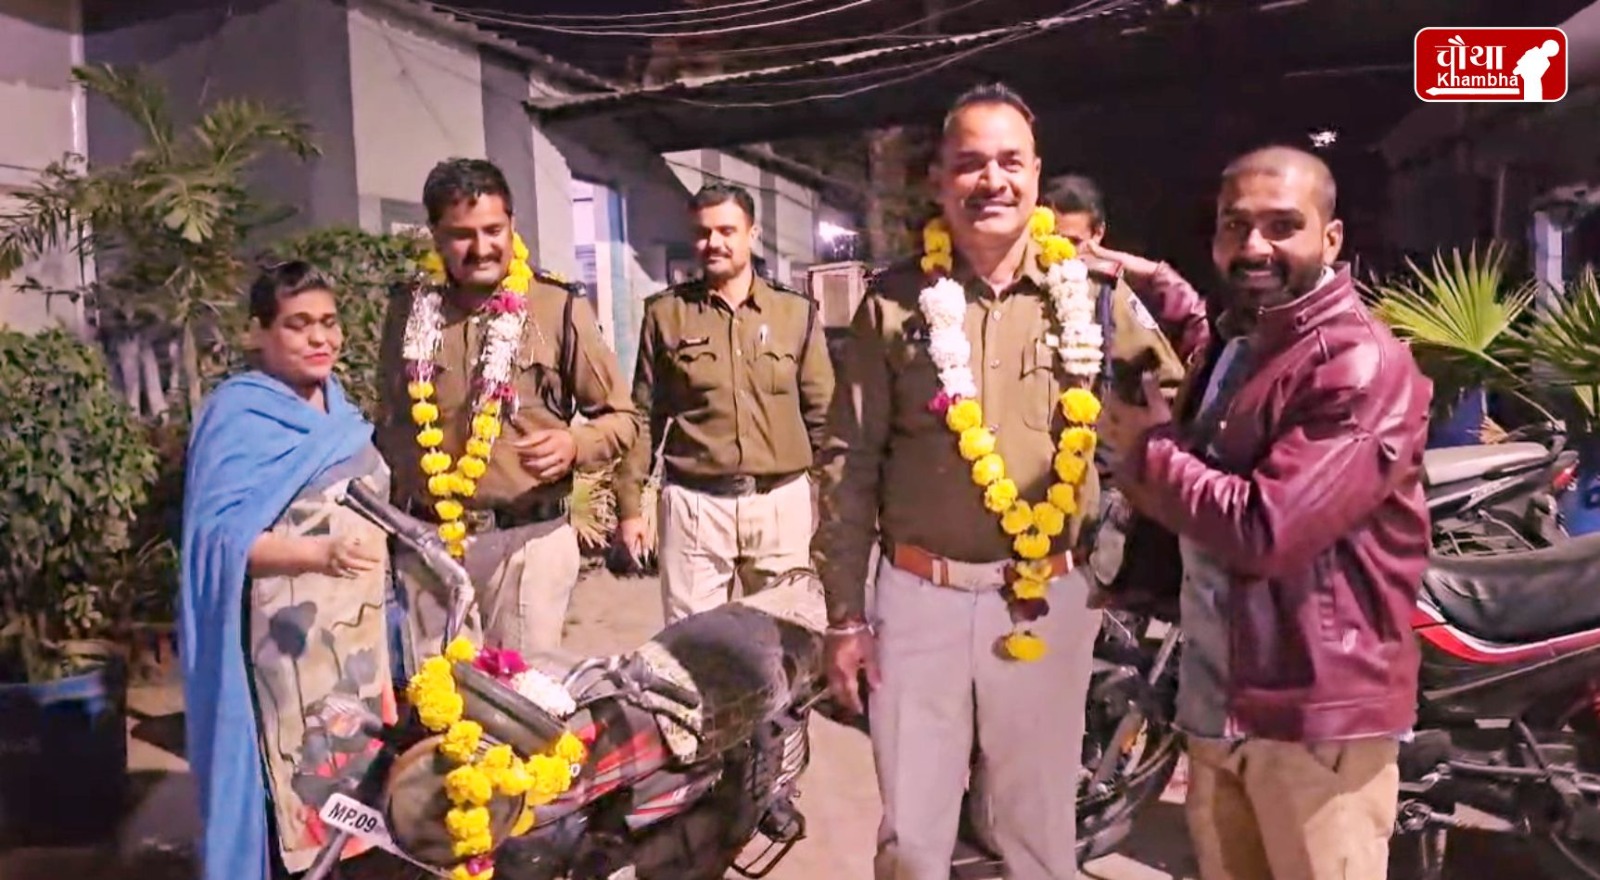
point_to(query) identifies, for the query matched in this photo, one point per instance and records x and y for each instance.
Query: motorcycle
(1497, 497)
(694, 740)
(1508, 731)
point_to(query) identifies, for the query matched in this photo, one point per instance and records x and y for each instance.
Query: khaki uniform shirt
(745, 387)
(892, 468)
(597, 389)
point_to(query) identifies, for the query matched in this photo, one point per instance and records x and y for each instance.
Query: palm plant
(165, 227)
(1458, 318)
(1561, 345)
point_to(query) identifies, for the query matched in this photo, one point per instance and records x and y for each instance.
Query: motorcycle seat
(1520, 597)
(1455, 464)
(745, 660)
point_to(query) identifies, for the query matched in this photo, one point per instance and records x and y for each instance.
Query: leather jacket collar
(1277, 326)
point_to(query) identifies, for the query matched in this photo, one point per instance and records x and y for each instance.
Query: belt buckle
(968, 577)
(743, 484)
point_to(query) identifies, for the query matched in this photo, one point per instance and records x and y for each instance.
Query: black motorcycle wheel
(1557, 853)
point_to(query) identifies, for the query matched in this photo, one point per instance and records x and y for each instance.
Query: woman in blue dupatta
(282, 631)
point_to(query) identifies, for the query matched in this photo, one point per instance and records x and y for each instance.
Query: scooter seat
(1520, 597)
(1457, 463)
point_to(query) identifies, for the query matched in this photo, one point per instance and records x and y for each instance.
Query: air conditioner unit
(837, 288)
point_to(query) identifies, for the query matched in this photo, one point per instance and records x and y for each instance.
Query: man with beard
(487, 362)
(959, 441)
(1294, 489)
(1179, 309)
(734, 378)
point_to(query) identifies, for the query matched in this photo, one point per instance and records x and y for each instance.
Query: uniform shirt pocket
(776, 371)
(1039, 387)
(538, 372)
(696, 364)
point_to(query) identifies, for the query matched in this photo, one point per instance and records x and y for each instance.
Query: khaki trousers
(522, 605)
(943, 684)
(708, 542)
(1268, 810)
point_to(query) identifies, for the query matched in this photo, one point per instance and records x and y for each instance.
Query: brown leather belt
(489, 520)
(734, 485)
(971, 576)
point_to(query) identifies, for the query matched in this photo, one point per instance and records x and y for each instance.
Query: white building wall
(40, 41)
(417, 98)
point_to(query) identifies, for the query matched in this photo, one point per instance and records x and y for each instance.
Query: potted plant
(75, 466)
(1561, 345)
(1457, 316)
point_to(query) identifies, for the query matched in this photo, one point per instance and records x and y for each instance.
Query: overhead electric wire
(996, 38)
(484, 18)
(690, 17)
(660, 13)
(893, 33)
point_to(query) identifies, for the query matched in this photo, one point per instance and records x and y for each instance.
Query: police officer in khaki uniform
(893, 475)
(559, 368)
(734, 376)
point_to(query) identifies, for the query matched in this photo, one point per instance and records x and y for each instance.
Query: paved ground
(838, 795)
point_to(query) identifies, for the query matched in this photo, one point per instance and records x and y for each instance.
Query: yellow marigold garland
(483, 773)
(1032, 525)
(450, 479)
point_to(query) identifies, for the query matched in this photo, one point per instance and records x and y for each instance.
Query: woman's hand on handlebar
(341, 556)
(345, 556)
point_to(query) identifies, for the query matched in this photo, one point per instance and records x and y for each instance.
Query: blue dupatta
(254, 448)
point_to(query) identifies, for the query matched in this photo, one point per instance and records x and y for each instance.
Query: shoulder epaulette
(660, 295)
(780, 287)
(556, 279)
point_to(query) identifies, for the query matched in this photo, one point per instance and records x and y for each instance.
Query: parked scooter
(694, 742)
(1499, 497)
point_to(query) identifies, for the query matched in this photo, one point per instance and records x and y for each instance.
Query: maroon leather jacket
(1311, 497)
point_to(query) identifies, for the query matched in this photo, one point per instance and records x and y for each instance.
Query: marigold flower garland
(452, 478)
(1078, 342)
(485, 772)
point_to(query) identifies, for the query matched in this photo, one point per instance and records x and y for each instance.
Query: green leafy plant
(75, 468)
(1458, 316)
(1561, 344)
(366, 267)
(164, 227)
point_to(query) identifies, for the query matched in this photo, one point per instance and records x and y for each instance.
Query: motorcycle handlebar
(421, 538)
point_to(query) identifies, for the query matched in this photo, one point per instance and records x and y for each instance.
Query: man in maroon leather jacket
(1293, 489)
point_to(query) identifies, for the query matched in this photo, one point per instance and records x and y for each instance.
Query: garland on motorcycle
(693, 743)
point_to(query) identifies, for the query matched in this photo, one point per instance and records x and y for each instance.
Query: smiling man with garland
(961, 438)
(487, 363)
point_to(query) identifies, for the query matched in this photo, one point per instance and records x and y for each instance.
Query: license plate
(365, 823)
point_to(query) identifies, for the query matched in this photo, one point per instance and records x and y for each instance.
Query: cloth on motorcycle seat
(1454, 464)
(746, 660)
(1520, 597)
